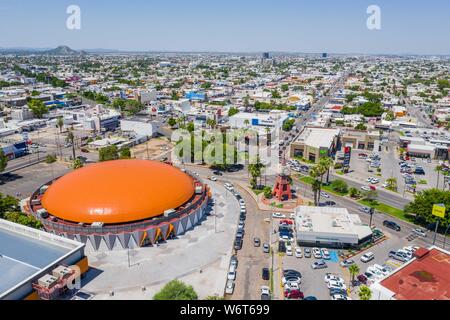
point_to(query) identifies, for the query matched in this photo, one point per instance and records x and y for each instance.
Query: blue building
(193, 95)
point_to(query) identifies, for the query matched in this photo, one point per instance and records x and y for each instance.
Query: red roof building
(425, 277)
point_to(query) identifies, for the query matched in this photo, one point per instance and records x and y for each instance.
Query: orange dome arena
(118, 191)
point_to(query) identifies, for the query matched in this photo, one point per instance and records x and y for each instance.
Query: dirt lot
(154, 149)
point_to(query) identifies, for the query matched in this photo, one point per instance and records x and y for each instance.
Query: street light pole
(435, 231)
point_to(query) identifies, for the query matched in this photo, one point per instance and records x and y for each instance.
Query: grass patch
(309, 180)
(398, 213)
(423, 181)
(339, 172)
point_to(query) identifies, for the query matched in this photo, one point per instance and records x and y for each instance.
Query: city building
(425, 277)
(121, 204)
(361, 140)
(31, 262)
(329, 226)
(315, 143)
(273, 119)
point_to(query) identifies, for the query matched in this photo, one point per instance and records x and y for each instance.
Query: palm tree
(365, 293)
(60, 123)
(246, 122)
(71, 139)
(327, 163)
(438, 169)
(77, 164)
(354, 270)
(316, 185)
(392, 183)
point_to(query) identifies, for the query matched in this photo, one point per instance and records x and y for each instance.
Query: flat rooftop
(330, 220)
(26, 252)
(424, 278)
(318, 137)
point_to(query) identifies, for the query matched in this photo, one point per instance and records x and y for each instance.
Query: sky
(309, 26)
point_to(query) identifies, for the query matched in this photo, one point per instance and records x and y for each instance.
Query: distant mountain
(63, 51)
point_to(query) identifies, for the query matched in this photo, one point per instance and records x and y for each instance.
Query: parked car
(307, 253)
(391, 225)
(362, 279)
(324, 194)
(228, 186)
(212, 178)
(325, 254)
(394, 255)
(310, 298)
(256, 242)
(266, 248)
(278, 215)
(238, 244)
(347, 263)
(320, 264)
(232, 275)
(265, 274)
(366, 257)
(234, 261)
(298, 253)
(290, 279)
(291, 273)
(229, 288)
(265, 293)
(317, 253)
(331, 277)
(338, 296)
(289, 250)
(293, 294)
(365, 209)
(365, 188)
(336, 285)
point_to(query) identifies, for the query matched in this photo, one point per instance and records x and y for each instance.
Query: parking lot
(313, 280)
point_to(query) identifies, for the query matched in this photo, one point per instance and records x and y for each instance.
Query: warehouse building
(330, 227)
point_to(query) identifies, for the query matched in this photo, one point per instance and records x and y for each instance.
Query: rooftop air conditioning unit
(169, 212)
(97, 224)
(47, 281)
(198, 189)
(61, 272)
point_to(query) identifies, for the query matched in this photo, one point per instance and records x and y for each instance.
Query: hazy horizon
(287, 26)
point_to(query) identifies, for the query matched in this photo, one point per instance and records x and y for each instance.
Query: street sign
(439, 210)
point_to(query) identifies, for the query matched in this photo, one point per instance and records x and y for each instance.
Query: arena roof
(118, 192)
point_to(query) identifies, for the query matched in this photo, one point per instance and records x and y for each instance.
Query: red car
(362, 279)
(293, 294)
(290, 222)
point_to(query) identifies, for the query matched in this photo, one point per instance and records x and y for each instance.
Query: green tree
(276, 94)
(339, 186)
(60, 123)
(8, 204)
(71, 140)
(125, 153)
(172, 122)
(77, 164)
(422, 206)
(211, 123)
(326, 163)
(392, 184)
(51, 158)
(108, 153)
(3, 161)
(365, 293)
(370, 195)
(38, 108)
(353, 192)
(176, 290)
(284, 87)
(267, 192)
(255, 171)
(361, 126)
(35, 93)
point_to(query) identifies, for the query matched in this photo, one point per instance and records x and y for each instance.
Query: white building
(140, 128)
(328, 226)
(274, 119)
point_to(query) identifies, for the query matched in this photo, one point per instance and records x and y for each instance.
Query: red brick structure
(282, 190)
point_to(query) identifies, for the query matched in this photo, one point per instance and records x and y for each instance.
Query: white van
(366, 257)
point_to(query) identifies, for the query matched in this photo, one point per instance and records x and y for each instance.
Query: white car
(291, 280)
(336, 285)
(377, 273)
(229, 289)
(278, 215)
(366, 257)
(317, 253)
(212, 178)
(232, 274)
(265, 292)
(338, 297)
(384, 271)
(332, 277)
(324, 194)
(365, 188)
(228, 186)
(291, 286)
(242, 202)
(420, 232)
(289, 250)
(292, 216)
(325, 254)
(298, 253)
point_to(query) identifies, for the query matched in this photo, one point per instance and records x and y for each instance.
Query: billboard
(439, 210)
(347, 157)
